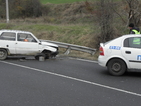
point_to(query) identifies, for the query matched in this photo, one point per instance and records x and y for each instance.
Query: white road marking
(92, 61)
(76, 79)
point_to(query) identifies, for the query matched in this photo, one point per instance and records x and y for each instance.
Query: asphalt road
(65, 82)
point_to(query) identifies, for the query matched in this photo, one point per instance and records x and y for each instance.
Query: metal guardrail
(70, 47)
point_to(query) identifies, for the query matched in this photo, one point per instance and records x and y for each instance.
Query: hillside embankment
(73, 23)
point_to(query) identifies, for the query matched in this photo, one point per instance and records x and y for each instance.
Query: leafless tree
(105, 19)
(21, 8)
(133, 11)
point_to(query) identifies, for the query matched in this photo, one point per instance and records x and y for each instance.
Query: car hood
(49, 44)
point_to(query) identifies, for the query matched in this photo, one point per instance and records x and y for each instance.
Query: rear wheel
(3, 54)
(116, 67)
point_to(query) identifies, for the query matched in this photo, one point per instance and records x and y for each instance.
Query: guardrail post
(68, 50)
(93, 53)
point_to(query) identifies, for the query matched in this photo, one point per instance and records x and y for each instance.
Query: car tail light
(101, 51)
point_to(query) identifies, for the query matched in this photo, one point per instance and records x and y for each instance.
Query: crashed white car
(121, 54)
(16, 42)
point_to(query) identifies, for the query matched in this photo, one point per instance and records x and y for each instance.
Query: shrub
(21, 8)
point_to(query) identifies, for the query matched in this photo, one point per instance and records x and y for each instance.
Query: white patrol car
(121, 54)
(15, 42)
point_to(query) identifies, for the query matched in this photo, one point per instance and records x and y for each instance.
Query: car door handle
(128, 52)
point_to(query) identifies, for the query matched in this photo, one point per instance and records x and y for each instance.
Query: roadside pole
(7, 12)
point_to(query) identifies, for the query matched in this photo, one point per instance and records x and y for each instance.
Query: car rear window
(8, 36)
(133, 42)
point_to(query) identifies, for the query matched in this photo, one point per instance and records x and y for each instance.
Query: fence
(70, 47)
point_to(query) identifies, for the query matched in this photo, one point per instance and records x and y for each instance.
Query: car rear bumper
(102, 61)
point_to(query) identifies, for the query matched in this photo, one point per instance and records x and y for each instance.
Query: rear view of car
(111, 57)
(121, 54)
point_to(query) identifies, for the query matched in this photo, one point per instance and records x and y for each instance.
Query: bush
(21, 8)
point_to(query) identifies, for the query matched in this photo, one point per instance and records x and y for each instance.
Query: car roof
(132, 35)
(127, 36)
(124, 37)
(15, 31)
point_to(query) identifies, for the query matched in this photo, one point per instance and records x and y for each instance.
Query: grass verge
(78, 34)
(59, 1)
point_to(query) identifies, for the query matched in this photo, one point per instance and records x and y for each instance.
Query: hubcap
(116, 67)
(1, 53)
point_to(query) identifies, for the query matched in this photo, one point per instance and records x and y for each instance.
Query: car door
(26, 44)
(132, 51)
(8, 40)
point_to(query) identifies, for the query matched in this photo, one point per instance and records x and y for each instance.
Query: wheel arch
(7, 50)
(47, 53)
(116, 58)
(45, 50)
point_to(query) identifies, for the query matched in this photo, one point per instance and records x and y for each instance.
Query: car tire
(38, 55)
(3, 54)
(47, 54)
(116, 67)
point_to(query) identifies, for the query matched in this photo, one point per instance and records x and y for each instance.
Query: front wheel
(3, 54)
(47, 54)
(38, 55)
(116, 67)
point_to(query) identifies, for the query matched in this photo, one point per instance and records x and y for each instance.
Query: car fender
(48, 48)
(49, 44)
(8, 52)
(118, 57)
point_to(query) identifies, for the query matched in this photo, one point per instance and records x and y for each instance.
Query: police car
(121, 54)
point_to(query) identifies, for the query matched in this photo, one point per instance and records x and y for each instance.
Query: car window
(25, 37)
(133, 42)
(8, 36)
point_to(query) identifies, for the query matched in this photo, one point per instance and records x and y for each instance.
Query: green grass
(59, 1)
(78, 34)
(65, 1)
(72, 33)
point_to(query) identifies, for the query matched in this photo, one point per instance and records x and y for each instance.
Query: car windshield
(110, 41)
(25, 37)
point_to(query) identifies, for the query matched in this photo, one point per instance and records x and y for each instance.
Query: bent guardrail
(70, 47)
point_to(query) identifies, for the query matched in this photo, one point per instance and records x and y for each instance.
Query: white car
(15, 42)
(121, 54)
